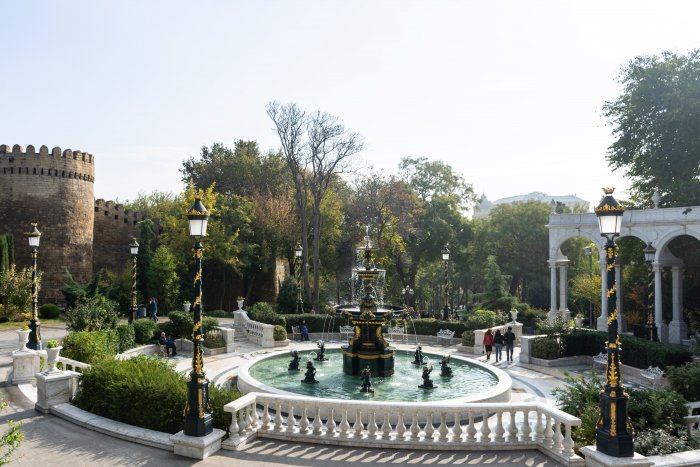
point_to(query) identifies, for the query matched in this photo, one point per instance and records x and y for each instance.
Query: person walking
(153, 309)
(488, 344)
(498, 343)
(509, 341)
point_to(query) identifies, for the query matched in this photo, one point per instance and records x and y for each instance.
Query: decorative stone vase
(23, 338)
(240, 304)
(52, 358)
(578, 323)
(186, 306)
(514, 315)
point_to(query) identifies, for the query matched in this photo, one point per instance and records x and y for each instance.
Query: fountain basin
(472, 381)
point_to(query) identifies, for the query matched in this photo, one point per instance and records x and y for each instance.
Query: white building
(483, 207)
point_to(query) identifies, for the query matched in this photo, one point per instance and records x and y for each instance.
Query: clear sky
(508, 93)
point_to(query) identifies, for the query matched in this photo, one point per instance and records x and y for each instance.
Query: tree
(317, 148)
(164, 279)
(656, 121)
(145, 257)
(495, 296)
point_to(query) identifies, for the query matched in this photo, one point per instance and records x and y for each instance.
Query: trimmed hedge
(49, 311)
(182, 324)
(127, 337)
(144, 330)
(686, 380)
(91, 346)
(279, 333)
(209, 324)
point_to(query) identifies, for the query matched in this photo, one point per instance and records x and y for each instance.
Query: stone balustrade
(258, 333)
(479, 334)
(484, 426)
(66, 363)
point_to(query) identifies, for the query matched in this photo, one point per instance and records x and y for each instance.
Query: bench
(654, 374)
(445, 334)
(600, 359)
(397, 331)
(296, 331)
(346, 331)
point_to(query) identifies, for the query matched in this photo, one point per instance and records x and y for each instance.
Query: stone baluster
(386, 426)
(252, 417)
(568, 444)
(372, 424)
(330, 423)
(442, 429)
(548, 432)
(485, 429)
(304, 422)
(457, 428)
(415, 429)
(245, 420)
(558, 437)
(499, 427)
(525, 429)
(539, 428)
(234, 429)
(512, 428)
(278, 417)
(265, 417)
(358, 426)
(429, 428)
(344, 425)
(400, 427)
(471, 430)
(291, 421)
(318, 425)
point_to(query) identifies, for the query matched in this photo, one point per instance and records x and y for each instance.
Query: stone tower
(54, 189)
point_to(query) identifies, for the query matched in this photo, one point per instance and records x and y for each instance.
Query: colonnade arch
(658, 226)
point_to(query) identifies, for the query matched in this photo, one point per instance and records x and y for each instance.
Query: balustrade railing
(517, 425)
(63, 363)
(259, 333)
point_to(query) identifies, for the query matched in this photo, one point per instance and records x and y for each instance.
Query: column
(677, 328)
(552, 290)
(661, 327)
(602, 323)
(563, 285)
(622, 322)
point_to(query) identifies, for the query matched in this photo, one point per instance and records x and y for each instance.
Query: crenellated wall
(55, 189)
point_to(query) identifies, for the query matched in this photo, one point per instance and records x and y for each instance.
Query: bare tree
(317, 148)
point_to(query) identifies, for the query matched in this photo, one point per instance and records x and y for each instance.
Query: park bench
(600, 359)
(296, 331)
(346, 331)
(399, 331)
(653, 374)
(445, 334)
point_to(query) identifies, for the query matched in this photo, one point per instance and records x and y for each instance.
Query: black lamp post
(408, 293)
(198, 422)
(446, 259)
(34, 343)
(649, 253)
(134, 249)
(298, 253)
(614, 433)
(588, 250)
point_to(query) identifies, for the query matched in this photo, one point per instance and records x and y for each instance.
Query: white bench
(346, 331)
(296, 331)
(445, 334)
(397, 331)
(654, 374)
(600, 359)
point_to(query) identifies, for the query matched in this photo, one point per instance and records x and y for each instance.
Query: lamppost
(649, 253)
(614, 433)
(134, 249)
(198, 422)
(298, 254)
(407, 294)
(446, 259)
(588, 250)
(34, 236)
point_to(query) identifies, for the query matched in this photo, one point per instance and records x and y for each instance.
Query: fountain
(427, 382)
(294, 364)
(418, 356)
(309, 376)
(366, 383)
(445, 370)
(321, 355)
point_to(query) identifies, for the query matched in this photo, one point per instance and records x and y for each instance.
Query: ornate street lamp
(34, 236)
(588, 251)
(134, 249)
(198, 422)
(298, 253)
(649, 253)
(446, 259)
(614, 433)
(408, 293)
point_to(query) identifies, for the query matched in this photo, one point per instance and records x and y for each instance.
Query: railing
(65, 363)
(259, 333)
(426, 426)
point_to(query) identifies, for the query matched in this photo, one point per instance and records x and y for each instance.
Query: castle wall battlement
(67, 164)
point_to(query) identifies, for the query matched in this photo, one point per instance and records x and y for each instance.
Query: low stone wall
(479, 334)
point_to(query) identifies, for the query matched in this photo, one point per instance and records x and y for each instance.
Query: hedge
(144, 331)
(127, 337)
(49, 311)
(91, 346)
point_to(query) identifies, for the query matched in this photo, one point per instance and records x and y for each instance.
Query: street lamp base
(196, 426)
(614, 437)
(615, 446)
(34, 341)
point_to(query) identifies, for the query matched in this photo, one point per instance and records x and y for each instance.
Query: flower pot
(23, 338)
(52, 358)
(578, 323)
(514, 315)
(186, 307)
(240, 304)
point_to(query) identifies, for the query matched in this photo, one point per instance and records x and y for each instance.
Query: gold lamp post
(298, 254)
(446, 260)
(34, 237)
(134, 250)
(649, 254)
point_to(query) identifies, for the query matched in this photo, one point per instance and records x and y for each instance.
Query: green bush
(484, 319)
(127, 337)
(91, 346)
(214, 340)
(182, 323)
(685, 380)
(216, 313)
(144, 330)
(209, 324)
(263, 313)
(529, 317)
(663, 441)
(167, 327)
(546, 347)
(145, 392)
(580, 342)
(49, 311)
(93, 314)
(315, 322)
(279, 333)
(468, 338)
(287, 297)
(655, 409)
(431, 326)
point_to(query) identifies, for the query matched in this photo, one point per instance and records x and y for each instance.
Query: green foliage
(214, 340)
(16, 291)
(52, 344)
(217, 314)
(655, 409)
(279, 333)
(168, 327)
(264, 313)
(557, 327)
(7, 253)
(10, 438)
(663, 441)
(74, 292)
(495, 295)
(144, 330)
(182, 323)
(209, 324)
(685, 380)
(127, 337)
(144, 259)
(91, 346)
(315, 322)
(530, 316)
(49, 311)
(145, 392)
(163, 279)
(94, 313)
(287, 298)
(468, 338)
(484, 319)
(548, 348)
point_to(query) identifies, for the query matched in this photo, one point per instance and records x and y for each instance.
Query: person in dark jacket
(509, 341)
(153, 309)
(498, 343)
(169, 344)
(304, 330)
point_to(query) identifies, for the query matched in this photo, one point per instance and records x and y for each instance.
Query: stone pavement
(52, 441)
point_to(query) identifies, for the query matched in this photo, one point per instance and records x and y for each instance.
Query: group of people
(169, 343)
(499, 340)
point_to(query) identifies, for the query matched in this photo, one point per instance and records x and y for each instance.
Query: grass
(12, 325)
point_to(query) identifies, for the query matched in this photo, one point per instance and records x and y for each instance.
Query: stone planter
(23, 338)
(52, 359)
(240, 304)
(578, 323)
(514, 316)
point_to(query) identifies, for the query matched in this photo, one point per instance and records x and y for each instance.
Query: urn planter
(23, 338)
(52, 359)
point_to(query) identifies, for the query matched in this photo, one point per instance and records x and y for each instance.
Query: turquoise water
(468, 379)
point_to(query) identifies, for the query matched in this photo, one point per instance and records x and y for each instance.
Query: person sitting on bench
(168, 343)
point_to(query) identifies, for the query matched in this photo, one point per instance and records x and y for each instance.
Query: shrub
(279, 333)
(263, 313)
(91, 346)
(483, 319)
(530, 316)
(209, 324)
(93, 314)
(663, 441)
(287, 297)
(216, 313)
(182, 323)
(546, 347)
(144, 330)
(579, 392)
(655, 409)
(167, 327)
(49, 311)
(430, 326)
(468, 338)
(315, 322)
(127, 338)
(685, 380)
(145, 392)
(214, 340)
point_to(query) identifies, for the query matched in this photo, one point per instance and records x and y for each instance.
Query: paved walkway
(54, 442)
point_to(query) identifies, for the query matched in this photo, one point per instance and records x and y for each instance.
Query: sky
(509, 93)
